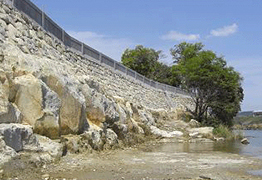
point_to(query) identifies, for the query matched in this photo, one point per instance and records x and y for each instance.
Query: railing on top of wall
(30, 9)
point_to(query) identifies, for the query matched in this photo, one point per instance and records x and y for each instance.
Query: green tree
(142, 60)
(146, 62)
(216, 88)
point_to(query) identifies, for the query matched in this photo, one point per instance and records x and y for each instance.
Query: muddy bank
(148, 161)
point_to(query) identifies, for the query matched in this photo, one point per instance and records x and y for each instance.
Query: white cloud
(177, 36)
(225, 31)
(112, 47)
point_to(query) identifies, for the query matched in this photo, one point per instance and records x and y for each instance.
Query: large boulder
(49, 124)
(165, 134)
(111, 138)
(202, 131)
(9, 113)
(95, 138)
(52, 148)
(73, 109)
(100, 110)
(28, 98)
(146, 118)
(38, 104)
(18, 136)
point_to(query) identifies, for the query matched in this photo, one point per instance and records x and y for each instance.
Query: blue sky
(232, 28)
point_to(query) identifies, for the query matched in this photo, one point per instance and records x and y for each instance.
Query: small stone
(46, 176)
(194, 124)
(245, 141)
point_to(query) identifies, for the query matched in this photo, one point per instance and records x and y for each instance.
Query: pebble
(46, 176)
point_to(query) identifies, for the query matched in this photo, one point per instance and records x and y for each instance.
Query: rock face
(54, 91)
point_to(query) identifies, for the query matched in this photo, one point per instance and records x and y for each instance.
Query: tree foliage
(215, 87)
(142, 60)
(146, 62)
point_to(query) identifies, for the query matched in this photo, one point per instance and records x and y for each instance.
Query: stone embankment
(49, 91)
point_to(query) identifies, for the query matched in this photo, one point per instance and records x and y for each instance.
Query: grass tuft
(227, 133)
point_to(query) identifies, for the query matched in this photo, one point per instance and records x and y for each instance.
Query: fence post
(135, 75)
(100, 58)
(114, 65)
(63, 36)
(13, 3)
(43, 19)
(82, 48)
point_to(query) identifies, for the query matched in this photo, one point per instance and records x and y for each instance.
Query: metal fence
(30, 9)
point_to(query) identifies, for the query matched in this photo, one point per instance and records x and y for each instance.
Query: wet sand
(151, 161)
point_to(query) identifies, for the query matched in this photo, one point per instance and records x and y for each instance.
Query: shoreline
(150, 160)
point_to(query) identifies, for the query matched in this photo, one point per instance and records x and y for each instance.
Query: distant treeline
(248, 122)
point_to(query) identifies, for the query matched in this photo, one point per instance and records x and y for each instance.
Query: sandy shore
(148, 161)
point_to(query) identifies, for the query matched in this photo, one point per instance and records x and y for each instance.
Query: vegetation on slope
(215, 87)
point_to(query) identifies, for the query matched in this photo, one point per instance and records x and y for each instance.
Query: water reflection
(230, 147)
(253, 149)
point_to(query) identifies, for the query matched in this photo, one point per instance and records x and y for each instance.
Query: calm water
(253, 149)
(255, 146)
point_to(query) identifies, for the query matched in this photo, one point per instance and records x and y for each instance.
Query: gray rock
(48, 124)
(73, 107)
(6, 18)
(13, 115)
(146, 118)
(194, 134)
(194, 123)
(96, 138)
(111, 137)
(54, 149)
(6, 152)
(111, 113)
(17, 136)
(165, 134)
(245, 141)
(202, 130)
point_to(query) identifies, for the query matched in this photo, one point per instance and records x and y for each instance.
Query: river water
(253, 149)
